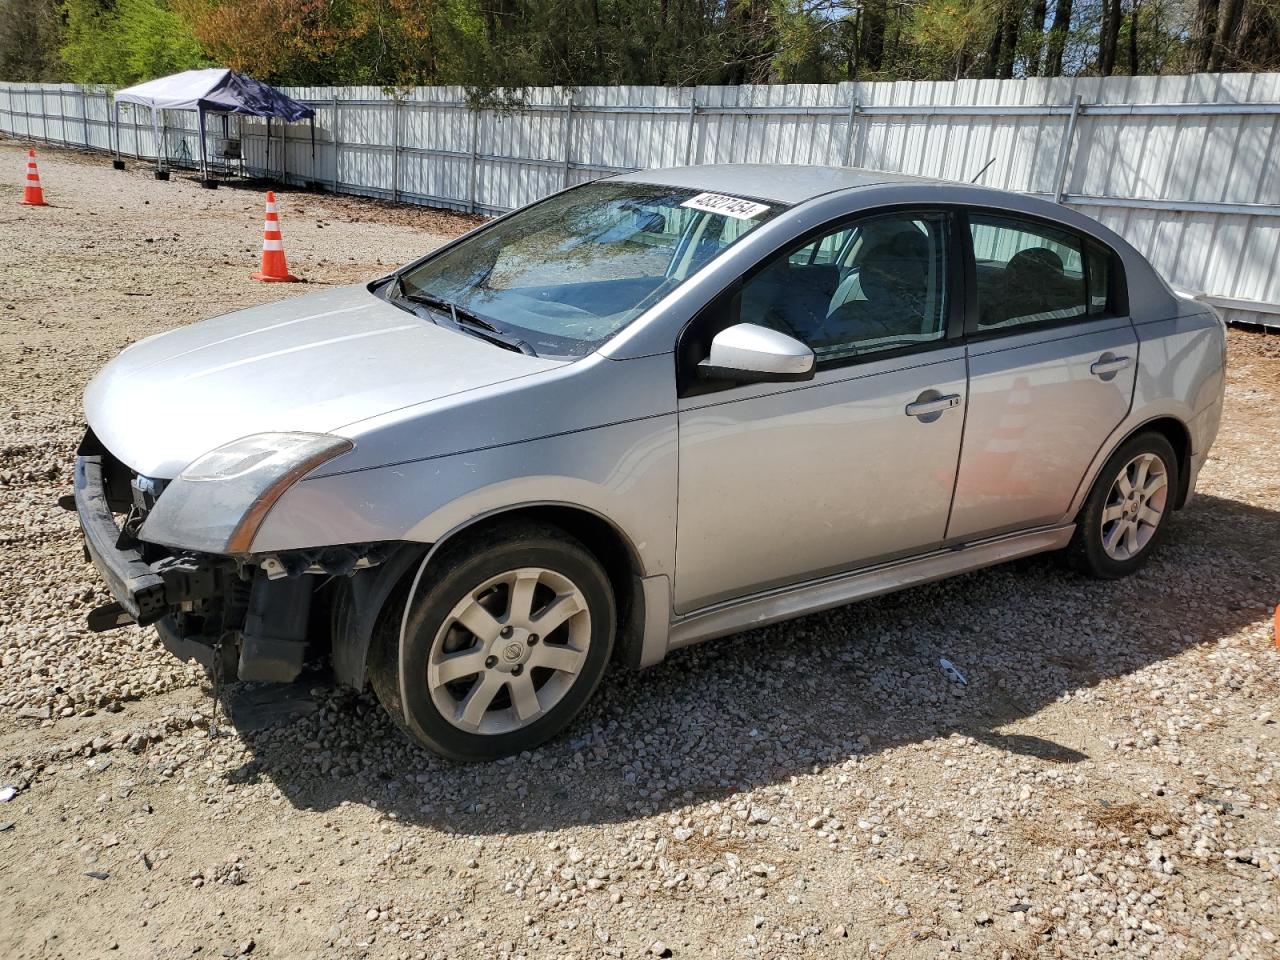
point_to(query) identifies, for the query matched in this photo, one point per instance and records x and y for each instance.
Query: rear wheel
(1128, 509)
(507, 637)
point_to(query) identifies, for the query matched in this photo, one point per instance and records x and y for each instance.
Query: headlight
(217, 504)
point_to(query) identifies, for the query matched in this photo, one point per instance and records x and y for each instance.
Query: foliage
(30, 34)
(495, 48)
(949, 35)
(125, 41)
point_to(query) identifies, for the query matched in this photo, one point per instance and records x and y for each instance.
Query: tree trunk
(1228, 22)
(871, 39)
(855, 48)
(1202, 34)
(1242, 40)
(1039, 8)
(598, 44)
(991, 63)
(1009, 41)
(1057, 44)
(1110, 37)
(1134, 67)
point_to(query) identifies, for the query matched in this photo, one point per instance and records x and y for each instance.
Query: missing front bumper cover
(248, 616)
(140, 590)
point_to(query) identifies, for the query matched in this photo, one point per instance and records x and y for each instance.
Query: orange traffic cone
(274, 269)
(32, 195)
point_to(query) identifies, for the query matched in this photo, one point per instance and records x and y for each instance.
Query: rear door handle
(936, 405)
(1108, 364)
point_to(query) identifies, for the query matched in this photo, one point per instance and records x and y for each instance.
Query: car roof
(783, 182)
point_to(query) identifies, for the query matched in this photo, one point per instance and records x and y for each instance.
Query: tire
(1116, 534)
(441, 703)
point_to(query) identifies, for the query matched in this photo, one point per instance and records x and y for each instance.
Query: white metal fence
(1186, 168)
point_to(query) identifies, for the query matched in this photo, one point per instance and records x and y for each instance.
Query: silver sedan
(638, 414)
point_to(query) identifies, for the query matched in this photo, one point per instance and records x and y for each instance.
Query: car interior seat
(1036, 282)
(791, 298)
(894, 278)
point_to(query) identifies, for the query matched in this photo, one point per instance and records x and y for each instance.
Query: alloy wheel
(1135, 507)
(509, 651)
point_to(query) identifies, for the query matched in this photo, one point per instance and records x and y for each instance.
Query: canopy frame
(216, 90)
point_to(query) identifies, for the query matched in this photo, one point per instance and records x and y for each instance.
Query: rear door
(1052, 359)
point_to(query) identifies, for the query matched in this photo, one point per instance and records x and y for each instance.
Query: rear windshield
(566, 274)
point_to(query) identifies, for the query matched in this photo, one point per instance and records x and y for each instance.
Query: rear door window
(1029, 274)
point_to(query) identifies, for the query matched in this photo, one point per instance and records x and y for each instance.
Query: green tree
(497, 48)
(948, 36)
(125, 41)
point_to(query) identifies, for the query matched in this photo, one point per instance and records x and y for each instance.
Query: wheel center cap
(512, 650)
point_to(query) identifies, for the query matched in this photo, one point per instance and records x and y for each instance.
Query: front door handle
(1108, 365)
(929, 406)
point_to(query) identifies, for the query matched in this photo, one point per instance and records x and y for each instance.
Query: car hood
(313, 363)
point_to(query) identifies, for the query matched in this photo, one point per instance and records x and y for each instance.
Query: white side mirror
(749, 352)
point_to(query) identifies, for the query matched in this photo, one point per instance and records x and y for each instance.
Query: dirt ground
(1104, 784)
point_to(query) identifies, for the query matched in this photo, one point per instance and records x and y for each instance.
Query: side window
(828, 249)
(871, 286)
(1029, 274)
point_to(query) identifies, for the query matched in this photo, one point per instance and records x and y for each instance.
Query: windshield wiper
(481, 327)
(467, 320)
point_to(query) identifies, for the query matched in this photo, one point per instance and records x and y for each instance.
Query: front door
(1052, 361)
(780, 483)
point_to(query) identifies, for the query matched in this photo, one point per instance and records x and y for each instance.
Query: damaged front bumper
(225, 614)
(144, 592)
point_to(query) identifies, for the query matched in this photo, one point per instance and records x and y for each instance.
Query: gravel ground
(1104, 785)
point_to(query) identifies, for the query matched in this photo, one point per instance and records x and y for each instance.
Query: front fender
(624, 472)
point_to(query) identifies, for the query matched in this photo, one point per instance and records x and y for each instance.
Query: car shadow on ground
(806, 696)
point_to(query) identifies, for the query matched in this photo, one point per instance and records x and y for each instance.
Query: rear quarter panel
(1182, 367)
(1181, 374)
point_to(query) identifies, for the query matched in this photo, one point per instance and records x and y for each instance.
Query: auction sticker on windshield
(728, 206)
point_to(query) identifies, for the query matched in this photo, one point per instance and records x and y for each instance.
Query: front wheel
(1128, 509)
(507, 637)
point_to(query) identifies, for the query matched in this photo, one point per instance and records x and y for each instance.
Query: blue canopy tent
(217, 90)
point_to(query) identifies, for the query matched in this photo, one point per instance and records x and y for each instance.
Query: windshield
(566, 274)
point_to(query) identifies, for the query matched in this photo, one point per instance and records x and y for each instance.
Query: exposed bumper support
(137, 588)
(201, 605)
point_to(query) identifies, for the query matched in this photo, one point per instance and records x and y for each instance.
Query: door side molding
(813, 596)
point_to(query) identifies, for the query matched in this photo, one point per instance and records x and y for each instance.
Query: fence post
(1064, 156)
(693, 121)
(568, 138)
(471, 173)
(848, 130)
(395, 148)
(337, 145)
